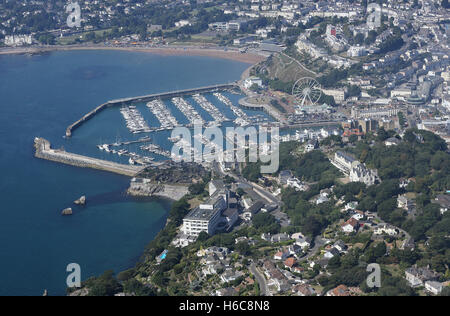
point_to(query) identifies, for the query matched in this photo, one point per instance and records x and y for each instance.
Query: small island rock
(67, 211)
(81, 201)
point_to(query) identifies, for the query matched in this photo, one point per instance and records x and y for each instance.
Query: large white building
(355, 170)
(343, 161)
(18, 40)
(339, 95)
(249, 82)
(207, 216)
(356, 51)
(360, 173)
(374, 112)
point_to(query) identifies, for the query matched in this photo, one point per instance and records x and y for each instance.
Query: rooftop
(200, 214)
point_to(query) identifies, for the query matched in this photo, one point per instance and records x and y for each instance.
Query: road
(261, 192)
(264, 289)
(318, 242)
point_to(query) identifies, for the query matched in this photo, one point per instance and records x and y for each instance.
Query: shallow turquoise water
(40, 96)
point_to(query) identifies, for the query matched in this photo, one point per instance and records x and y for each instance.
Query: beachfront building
(18, 40)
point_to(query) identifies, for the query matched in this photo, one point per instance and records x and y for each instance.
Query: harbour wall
(146, 98)
(43, 150)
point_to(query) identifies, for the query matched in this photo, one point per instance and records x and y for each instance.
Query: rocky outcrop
(145, 187)
(81, 201)
(67, 211)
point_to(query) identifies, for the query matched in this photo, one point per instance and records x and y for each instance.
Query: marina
(163, 114)
(211, 109)
(242, 118)
(135, 122)
(146, 98)
(155, 149)
(188, 111)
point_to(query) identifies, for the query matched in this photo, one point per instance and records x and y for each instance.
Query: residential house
(311, 145)
(280, 238)
(323, 198)
(284, 176)
(386, 230)
(350, 226)
(265, 236)
(343, 290)
(303, 290)
(213, 268)
(331, 253)
(230, 275)
(275, 277)
(404, 203)
(408, 244)
(294, 250)
(351, 206)
(444, 202)
(340, 245)
(358, 215)
(418, 276)
(297, 184)
(229, 291)
(433, 287)
(289, 263)
(281, 255)
(304, 242)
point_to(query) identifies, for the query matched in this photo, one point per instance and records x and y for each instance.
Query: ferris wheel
(307, 91)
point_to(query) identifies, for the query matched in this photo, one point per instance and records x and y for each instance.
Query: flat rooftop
(199, 214)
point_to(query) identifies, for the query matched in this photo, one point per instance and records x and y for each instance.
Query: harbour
(112, 230)
(147, 98)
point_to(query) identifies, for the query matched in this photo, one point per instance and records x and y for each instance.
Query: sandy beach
(249, 58)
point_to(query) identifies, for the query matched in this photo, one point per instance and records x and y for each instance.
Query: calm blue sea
(40, 96)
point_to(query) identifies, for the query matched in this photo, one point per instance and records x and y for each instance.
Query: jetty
(147, 98)
(43, 150)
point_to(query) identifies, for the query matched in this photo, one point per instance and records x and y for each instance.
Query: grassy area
(394, 270)
(71, 39)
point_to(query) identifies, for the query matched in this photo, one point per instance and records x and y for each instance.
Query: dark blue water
(40, 96)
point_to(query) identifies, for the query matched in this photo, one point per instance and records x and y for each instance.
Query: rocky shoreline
(144, 187)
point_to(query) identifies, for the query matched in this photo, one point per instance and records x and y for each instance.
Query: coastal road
(264, 289)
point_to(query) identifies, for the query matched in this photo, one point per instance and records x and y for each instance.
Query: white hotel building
(207, 216)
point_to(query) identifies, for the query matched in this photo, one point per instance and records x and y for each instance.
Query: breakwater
(43, 150)
(146, 98)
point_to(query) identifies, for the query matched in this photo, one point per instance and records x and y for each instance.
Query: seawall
(43, 150)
